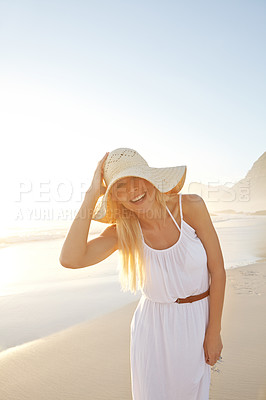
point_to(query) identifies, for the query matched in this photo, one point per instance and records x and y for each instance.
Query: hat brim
(166, 180)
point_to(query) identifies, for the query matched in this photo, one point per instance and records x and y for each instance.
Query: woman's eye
(119, 185)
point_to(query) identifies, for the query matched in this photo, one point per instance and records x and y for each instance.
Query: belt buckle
(177, 301)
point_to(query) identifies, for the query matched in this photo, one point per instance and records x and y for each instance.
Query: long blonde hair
(132, 273)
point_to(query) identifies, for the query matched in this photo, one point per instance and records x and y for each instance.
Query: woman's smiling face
(134, 193)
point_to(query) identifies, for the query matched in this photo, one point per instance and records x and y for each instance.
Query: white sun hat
(125, 162)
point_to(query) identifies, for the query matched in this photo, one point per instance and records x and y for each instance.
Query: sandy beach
(132, 102)
(91, 360)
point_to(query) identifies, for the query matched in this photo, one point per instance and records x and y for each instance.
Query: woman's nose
(133, 185)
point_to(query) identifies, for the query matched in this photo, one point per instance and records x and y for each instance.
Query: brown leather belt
(190, 299)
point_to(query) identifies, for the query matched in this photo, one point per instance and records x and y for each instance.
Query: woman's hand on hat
(98, 187)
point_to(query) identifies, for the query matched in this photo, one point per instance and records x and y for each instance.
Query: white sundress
(166, 338)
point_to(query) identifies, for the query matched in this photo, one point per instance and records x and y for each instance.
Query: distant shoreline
(54, 233)
(260, 212)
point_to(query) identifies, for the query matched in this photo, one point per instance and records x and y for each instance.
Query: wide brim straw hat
(124, 162)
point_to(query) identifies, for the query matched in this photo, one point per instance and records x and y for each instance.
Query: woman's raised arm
(77, 252)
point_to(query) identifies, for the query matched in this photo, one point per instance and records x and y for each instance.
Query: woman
(169, 248)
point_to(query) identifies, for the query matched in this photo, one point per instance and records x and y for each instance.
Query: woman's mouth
(139, 199)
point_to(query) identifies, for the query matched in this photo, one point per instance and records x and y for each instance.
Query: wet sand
(91, 360)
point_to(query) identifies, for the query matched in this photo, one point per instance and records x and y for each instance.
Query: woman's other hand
(212, 346)
(98, 188)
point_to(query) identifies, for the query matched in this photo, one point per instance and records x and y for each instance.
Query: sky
(181, 82)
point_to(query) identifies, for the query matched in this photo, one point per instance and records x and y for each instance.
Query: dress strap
(181, 215)
(180, 206)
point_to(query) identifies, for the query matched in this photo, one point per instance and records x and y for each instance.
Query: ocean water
(242, 239)
(29, 257)
(39, 297)
(39, 230)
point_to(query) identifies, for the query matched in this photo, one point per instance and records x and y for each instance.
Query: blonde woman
(170, 251)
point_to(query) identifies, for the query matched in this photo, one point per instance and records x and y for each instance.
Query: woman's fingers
(97, 184)
(212, 349)
(105, 156)
(206, 355)
(211, 360)
(205, 351)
